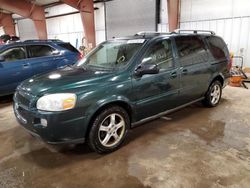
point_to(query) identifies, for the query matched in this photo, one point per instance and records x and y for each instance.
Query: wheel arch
(99, 108)
(218, 77)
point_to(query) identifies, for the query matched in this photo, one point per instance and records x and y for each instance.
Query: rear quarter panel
(219, 67)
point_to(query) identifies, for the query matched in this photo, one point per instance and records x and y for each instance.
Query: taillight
(80, 56)
(230, 63)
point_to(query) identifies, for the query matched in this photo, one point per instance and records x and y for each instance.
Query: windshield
(112, 54)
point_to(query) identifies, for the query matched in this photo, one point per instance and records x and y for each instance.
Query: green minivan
(122, 83)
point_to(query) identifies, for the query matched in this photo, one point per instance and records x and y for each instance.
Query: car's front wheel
(213, 95)
(109, 130)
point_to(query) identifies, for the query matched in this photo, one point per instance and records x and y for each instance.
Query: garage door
(127, 17)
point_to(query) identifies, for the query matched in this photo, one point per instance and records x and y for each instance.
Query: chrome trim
(194, 31)
(18, 115)
(164, 113)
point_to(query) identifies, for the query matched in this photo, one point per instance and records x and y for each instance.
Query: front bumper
(62, 127)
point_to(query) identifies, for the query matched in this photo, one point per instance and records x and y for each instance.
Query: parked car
(122, 83)
(13, 39)
(6, 39)
(22, 60)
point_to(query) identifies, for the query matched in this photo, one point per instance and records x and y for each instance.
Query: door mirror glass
(157, 58)
(147, 60)
(55, 52)
(147, 68)
(2, 59)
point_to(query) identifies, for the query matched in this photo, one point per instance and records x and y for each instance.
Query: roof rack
(49, 40)
(194, 31)
(151, 33)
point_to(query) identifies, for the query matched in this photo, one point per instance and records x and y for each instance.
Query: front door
(13, 69)
(158, 92)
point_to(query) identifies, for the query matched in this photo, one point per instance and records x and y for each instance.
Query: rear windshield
(217, 47)
(69, 47)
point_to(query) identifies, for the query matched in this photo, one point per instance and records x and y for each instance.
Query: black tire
(210, 100)
(96, 137)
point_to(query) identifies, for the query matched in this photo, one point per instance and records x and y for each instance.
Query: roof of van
(152, 34)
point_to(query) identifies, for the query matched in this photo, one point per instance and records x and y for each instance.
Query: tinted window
(39, 50)
(69, 47)
(189, 45)
(160, 54)
(14, 54)
(217, 47)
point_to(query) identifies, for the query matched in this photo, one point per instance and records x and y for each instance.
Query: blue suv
(22, 60)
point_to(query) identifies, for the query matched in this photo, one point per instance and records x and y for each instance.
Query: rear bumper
(226, 82)
(68, 127)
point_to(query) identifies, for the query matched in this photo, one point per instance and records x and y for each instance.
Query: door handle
(25, 65)
(173, 74)
(57, 58)
(184, 71)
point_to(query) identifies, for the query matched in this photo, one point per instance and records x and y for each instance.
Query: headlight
(56, 102)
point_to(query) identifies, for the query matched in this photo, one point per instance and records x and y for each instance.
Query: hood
(69, 79)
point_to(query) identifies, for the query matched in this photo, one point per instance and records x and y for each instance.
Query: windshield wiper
(101, 68)
(83, 67)
(69, 65)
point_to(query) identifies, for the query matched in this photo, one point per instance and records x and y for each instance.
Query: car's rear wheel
(108, 130)
(213, 95)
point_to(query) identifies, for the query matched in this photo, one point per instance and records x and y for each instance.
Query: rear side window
(191, 49)
(188, 45)
(69, 47)
(40, 50)
(217, 47)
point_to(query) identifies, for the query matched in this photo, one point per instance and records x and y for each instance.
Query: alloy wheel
(111, 130)
(215, 94)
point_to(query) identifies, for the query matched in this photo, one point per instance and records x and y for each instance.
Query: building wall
(68, 28)
(26, 29)
(230, 19)
(163, 25)
(1, 31)
(128, 17)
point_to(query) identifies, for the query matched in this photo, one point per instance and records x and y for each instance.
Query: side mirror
(55, 52)
(2, 59)
(146, 68)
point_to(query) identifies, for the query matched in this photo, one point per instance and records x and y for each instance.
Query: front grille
(22, 99)
(20, 113)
